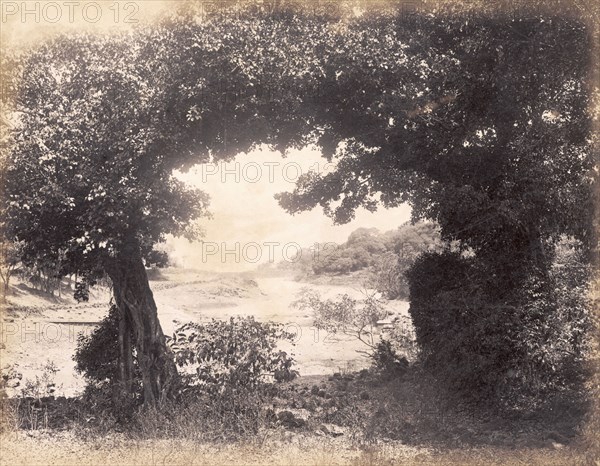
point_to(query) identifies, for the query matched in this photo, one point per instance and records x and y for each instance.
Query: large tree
(100, 123)
(483, 124)
(89, 183)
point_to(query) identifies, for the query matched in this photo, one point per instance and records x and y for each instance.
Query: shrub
(97, 359)
(387, 361)
(358, 318)
(97, 354)
(10, 378)
(228, 356)
(345, 314)
(42, 386)
(403, 338)
(389, 277)
(511, 346)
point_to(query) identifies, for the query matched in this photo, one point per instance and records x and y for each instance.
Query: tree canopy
(480, 122)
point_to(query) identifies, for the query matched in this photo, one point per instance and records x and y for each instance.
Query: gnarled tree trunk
(136, 303)
(125, 353)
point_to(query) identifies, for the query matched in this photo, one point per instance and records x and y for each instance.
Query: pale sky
(26, 22)
(244, 211)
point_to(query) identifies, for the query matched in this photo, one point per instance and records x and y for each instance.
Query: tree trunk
(134, 298)
(6, 287)
(125, 354)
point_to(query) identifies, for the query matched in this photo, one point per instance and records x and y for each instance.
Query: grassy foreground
(354, 418)
(62, 448)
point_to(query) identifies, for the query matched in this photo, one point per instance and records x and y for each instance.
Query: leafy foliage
(403, 338)
(387, 361)
(9, 260)
(393, 349)
(481, 123)
(515, 352)
(408, 242)
(387, 255)
(10, 378)
(234, 355)
(97, 354)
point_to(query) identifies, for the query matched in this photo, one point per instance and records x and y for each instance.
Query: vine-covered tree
(482, 124)
(100, 123)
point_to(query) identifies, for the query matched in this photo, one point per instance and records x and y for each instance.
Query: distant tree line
(384, 257)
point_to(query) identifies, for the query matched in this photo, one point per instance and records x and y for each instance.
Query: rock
(309, 405)
(270, 415)
(314, 390)
(331, 403)
(363, 373)
(332, 430)
(289, 420)
(557, 437)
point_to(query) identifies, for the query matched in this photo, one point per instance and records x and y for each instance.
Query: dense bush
(225, 356)
(97, 359)
(97, 354)
(514, 351)
(226, 369)
(387, 361)
(225, 366)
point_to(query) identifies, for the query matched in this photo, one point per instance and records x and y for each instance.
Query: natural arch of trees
(480, 122)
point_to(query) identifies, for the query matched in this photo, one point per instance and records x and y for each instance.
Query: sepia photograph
(299, 232)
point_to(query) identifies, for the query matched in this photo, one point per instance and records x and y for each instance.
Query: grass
(404, 420)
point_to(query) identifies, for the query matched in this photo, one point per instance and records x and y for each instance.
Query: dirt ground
(280, 448)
